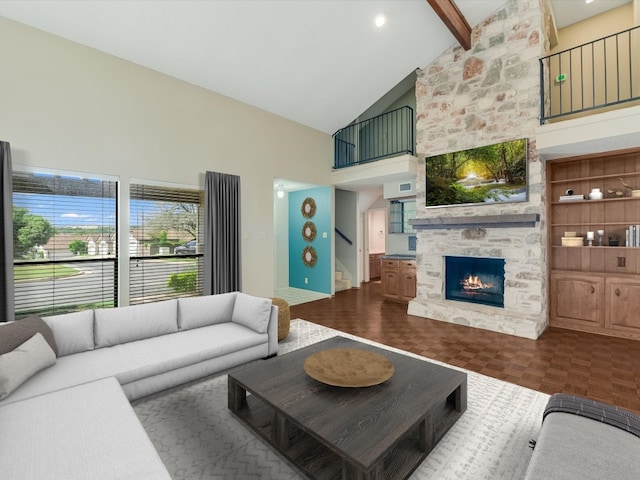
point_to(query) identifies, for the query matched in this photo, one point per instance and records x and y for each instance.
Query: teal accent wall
(318, 276)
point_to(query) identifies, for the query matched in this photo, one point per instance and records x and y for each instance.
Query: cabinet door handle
(617, 292)
(593, 289)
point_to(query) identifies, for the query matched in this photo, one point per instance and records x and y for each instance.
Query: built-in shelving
(594, 288)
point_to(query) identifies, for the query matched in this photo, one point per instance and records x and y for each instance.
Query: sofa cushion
(14, 334)
(69, 370)
(252, 312)
(158, 355)
(127, 324)
(73, 332)
(23, 362)
(194, 312)
(85, 432)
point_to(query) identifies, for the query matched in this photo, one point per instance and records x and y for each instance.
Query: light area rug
(198, 438)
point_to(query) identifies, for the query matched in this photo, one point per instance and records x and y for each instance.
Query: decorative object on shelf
(590, 238)
(600, 237)
(569, 234)
(595, 194)
(615, 193)
(348, 367)
(626, 185)
(571, 198)
(572, 241)
(569, 192)
(309, 231)
(614, 240)
(635, 193)
(309, 256)
(308, 207)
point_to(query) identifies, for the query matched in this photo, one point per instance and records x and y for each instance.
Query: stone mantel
(477, 221)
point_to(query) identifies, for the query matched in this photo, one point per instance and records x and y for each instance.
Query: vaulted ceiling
(320, 63)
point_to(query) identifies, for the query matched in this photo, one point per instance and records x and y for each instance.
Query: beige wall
(68, 107)
(607, 23)
(585, 68)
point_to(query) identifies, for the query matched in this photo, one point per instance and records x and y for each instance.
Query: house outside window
(165, 246)
(65, 242)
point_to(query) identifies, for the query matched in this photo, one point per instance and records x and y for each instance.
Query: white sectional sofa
(117, 354)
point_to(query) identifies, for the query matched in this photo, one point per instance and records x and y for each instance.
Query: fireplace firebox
(475, 280)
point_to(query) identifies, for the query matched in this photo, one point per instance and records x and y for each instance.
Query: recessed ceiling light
(588, 1)
(380, 20)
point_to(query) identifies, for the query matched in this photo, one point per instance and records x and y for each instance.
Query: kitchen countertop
(399, 256)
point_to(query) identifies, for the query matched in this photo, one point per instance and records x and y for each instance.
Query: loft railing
(379, 137)
(595, 75)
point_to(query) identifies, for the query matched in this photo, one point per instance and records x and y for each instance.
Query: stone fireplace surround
(465, 99)
(514, 237)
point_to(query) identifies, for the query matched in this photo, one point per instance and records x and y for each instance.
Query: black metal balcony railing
(595, 75)
(383, 136)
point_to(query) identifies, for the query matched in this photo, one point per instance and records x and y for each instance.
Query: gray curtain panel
(7, 306)
(222, 265)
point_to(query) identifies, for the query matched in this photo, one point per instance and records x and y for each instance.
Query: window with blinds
(165, 246)
(65, 243)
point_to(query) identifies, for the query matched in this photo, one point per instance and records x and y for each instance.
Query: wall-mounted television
(483, 175)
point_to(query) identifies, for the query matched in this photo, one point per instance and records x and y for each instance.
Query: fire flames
(473, 282)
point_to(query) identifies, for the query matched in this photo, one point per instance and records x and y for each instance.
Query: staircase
(341, 283)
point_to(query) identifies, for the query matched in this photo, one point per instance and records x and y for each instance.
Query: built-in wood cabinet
(586, 307)
(398, 279)
(622, 297)
(594, 288)
(375, 266)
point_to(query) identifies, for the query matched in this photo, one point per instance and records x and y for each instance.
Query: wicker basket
(284, 317)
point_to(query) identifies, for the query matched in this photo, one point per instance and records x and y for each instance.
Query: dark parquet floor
(599, 367)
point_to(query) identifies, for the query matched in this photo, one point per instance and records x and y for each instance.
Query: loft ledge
(477, 221)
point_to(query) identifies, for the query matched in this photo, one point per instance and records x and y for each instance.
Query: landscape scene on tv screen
(483, 175)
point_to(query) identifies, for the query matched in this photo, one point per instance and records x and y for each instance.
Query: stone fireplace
(515, 240)
(467, 99)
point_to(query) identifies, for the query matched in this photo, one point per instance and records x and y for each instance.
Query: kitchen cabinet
(398, 279)
(375, 266)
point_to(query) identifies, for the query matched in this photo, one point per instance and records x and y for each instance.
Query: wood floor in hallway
(595, 366)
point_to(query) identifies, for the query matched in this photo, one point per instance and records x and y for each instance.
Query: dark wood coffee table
(378, 432)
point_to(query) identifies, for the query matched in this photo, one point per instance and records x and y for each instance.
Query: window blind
(65, 243)
(164, 244)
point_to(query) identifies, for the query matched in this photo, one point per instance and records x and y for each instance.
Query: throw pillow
(252, 312)
(16, 333)
(23, 362)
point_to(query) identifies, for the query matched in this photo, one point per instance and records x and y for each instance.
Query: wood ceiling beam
(449, 13)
